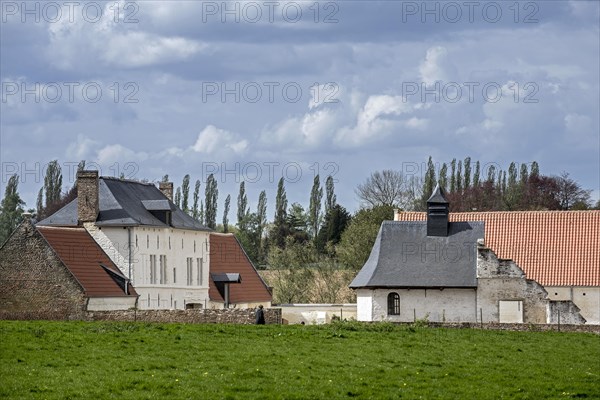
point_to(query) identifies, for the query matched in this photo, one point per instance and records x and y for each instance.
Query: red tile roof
(228, 256)
(83, 257)
(555, 248)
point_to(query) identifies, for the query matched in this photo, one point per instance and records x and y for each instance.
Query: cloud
(431, 69)
(116, 153)
(213, 140)
(82, 148)
(84, 44)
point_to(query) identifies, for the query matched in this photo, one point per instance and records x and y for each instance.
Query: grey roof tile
(404, 256)
(122, 203)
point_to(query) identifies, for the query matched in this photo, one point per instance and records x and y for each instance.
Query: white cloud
(84, 44)
(213, 140)
(116, 153)
(82, 148)
(431, 69)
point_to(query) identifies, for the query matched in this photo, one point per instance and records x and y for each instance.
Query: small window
(393, 303)
(174, 275)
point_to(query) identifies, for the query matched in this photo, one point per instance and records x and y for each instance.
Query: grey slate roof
(403, 256)
(124, 203)
(438, 195)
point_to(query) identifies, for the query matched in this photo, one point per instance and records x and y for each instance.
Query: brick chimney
(167, 189)
(438, 213)
(88, 204)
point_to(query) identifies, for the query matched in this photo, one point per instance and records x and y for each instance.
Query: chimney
(87, 196)
(438, 210)
(167, 189)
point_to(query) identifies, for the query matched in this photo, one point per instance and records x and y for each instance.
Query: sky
(256, 90)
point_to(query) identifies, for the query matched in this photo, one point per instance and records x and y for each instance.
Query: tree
(570, 194)
(165, 178)
(444, 176)
(453, 176)
(40, 203)
(459, 185)
(261, 211)
(196, 196)
(261, 224)
(201, 218)
(185, 193)
(314, 212)
(11, 208)
(53, 183)
(382, 188)
(177, 199)
(467, 165)
(211, 193)
(297, 223)
(359, 237)
(330, 197)
(476, 175)
(242, 207)
(429, 183)
(226, 214)
(291, 272)
(280, 202)
(334, 225)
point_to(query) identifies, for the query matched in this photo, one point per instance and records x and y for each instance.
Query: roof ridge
(114, 178)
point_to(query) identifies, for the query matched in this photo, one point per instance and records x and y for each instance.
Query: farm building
(164, 254)
(444, 271)
(557, 249)
(59, 270)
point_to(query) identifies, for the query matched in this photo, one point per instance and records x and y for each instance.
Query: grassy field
(78, 360)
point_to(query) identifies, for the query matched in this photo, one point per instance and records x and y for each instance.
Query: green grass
(79, 360)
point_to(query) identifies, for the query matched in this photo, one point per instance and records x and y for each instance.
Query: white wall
(585, 297)
(449, 305)
(364, 305)
(110, 303)
(177, 245)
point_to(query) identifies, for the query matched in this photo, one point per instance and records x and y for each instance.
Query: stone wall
(564, 312)
(200, 316)
(503, 280)
(32, 277)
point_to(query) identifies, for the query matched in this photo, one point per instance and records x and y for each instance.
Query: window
(157, 242)
(163, 269)
(199, 262)
(393, 304)
(174, 275)
(190, 271)
(153, 269)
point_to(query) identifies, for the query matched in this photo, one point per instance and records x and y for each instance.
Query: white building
(163, 252)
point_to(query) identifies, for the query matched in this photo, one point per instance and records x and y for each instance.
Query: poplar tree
(331, 198)
(226, 214)
(453, 175)
(195, 210)
(444, 176)
(314, 211)
(467, 165)
(242, 207)
(185, 193)
(11, 208)
(177, 198)
(476, 178)
(210, 202)
(53, 183)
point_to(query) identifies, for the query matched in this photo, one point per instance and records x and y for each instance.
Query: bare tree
(570, 194)
(387, 187)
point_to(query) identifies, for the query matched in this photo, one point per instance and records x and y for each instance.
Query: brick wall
(33, 278)
(205, 316)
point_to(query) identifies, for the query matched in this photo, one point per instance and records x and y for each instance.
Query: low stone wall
(205, 316)
(511, 327)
